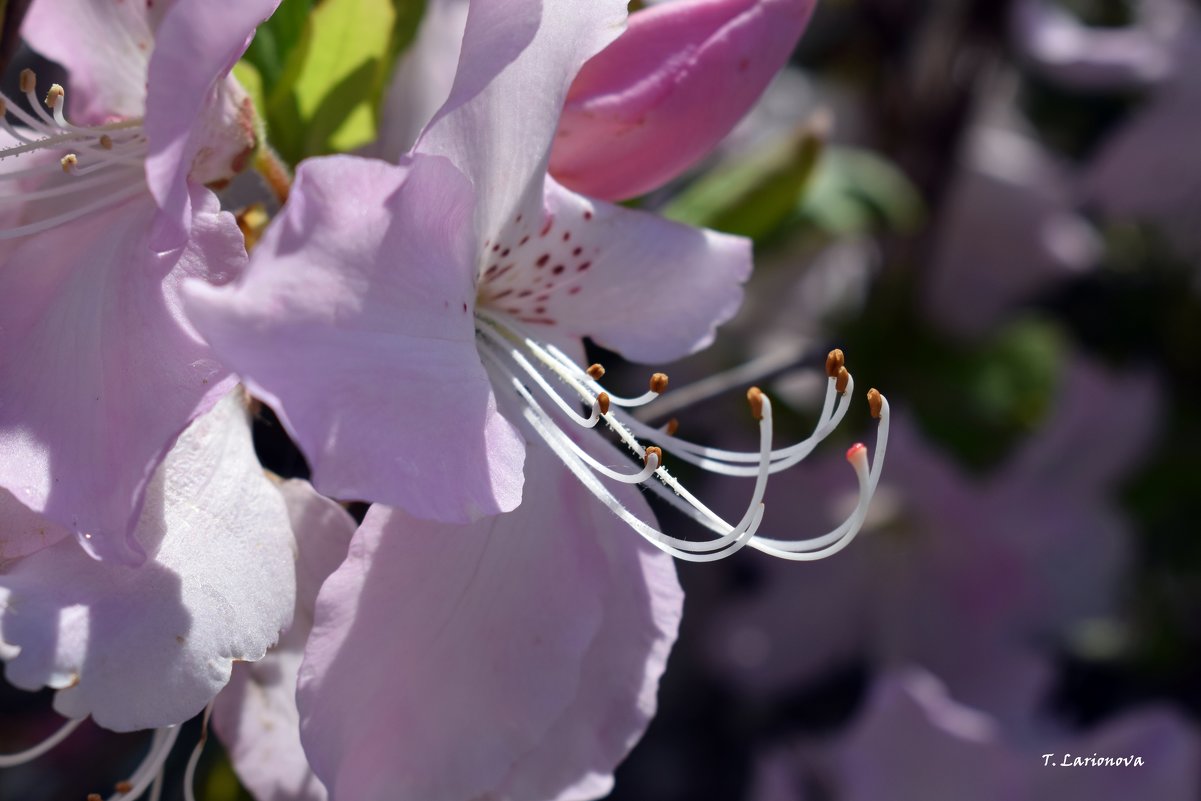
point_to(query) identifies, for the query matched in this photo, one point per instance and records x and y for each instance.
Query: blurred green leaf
(856, 191)
(983, 399)
(276, 39)
(754, 195)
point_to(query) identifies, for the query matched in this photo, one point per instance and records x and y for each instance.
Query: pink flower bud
(667, 90)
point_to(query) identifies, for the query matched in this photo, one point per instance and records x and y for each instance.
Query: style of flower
(150, 646)
(104, 214)
(488, 635)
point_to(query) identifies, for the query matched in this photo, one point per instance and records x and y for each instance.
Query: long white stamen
(161, 743)
(111, 153)
(29, 754)
(74, 214)
(732, 537)
(516, 358)
(189, 774)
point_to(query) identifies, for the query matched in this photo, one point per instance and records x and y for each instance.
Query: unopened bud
(659, 383)
(835, 362)
(754, 396)
(841, 380)
(875, 402)
(28, 80)
(658, 453)
(596, 372)
(602, 401)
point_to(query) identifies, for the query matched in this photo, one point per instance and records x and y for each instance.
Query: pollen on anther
(673, 425)
(835, 362)
(841, 381)
(754, 397)
(28, 80)
(656, 451)
(54, 96)
(106, 141)
(68, 162)
(123, 786)
(875, 402)
(95, 797)
(659, 383)
(602, 402)
(596, 372)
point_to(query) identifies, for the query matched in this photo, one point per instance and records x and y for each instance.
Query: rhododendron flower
(105, 212)
(389, 316)
(150, 646)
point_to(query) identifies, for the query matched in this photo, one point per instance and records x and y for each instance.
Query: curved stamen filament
(147, 772)
(30, 754)
(189, 774)
(506, 348)
(732, 538)
(78, 151)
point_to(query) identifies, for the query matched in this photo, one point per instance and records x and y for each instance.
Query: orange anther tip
(875, 402)
(659, 382)
(658, 453)
(835, 362)
(596, 372)
(28, 80)
(754, 397)
(673, 425)
(842, 380)
(602, 400)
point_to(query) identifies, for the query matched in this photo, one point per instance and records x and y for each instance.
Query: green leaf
(754, 195)
(322, 92)
(275, 40)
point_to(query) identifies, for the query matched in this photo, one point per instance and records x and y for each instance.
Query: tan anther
(596, 372)
(658, 453)
(55, 95)
(875, 402)
(602, 400)
(106, 141)
(659, 383)
(95, 797)
(28, 80)
(3, 108)
(842, 379)
(754, 396)
(123, 786)
(673, 425)
(835, 362)
(69, 161)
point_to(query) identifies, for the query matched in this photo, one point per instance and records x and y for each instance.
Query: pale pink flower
(494, 630)
(105, 214)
